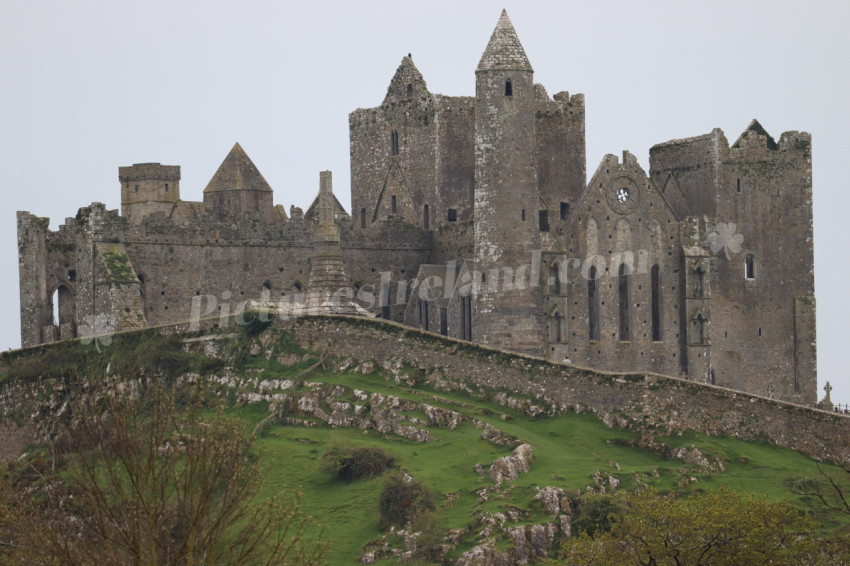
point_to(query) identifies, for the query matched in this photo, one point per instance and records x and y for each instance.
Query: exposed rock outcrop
(508, 468)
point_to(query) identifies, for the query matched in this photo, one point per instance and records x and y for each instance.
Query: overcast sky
(89, 85)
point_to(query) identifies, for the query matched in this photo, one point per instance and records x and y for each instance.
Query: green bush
(402, 500)
(595, 513)
(354, 463)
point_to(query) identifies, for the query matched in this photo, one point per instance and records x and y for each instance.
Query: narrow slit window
(699, 283)
(556, 328)
(426, 222)
(466, 317)
(362, 217)
(739, 185)
(656, 303)
(592, 305)
(554, 280)
(394, 142)
(509, 88)
(750, 267)
(393, 204)
(523, 215)
(544, 220)
(623, 288)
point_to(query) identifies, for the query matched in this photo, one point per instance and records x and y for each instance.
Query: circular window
(623, 195)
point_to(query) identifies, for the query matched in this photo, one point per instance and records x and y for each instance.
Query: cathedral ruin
(472, 217)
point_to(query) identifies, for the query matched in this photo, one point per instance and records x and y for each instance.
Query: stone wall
(174, 267)
(647, 402)
(753, 199)
(643, 401)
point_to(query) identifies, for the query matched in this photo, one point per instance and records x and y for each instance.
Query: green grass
(568, 449)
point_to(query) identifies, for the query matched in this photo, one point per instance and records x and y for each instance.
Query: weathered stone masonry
(700, 268)
(642, 401)
(646, 402)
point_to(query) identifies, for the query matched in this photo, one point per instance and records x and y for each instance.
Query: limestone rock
(552, 498)
(518, 537)
(508, 468)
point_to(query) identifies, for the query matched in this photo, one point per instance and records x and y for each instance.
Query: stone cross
(826, 404)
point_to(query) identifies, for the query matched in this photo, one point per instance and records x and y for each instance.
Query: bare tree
(146, 480)
(832, 489)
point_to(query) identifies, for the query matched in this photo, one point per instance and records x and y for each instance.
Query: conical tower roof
(504, 50)
(237, 173)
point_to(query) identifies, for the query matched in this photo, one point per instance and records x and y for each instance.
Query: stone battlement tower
(147, 188)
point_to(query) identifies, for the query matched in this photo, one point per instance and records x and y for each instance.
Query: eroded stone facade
(472, 217)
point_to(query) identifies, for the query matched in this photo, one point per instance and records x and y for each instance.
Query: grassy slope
(568, 449)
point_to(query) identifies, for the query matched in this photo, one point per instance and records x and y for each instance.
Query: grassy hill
(301, 402)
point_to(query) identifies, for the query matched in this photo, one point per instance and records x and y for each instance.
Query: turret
(506, 196)
(147, 188)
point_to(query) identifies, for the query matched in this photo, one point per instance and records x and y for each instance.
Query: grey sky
(91, 85)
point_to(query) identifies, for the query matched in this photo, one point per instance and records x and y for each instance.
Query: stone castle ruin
(472, 217)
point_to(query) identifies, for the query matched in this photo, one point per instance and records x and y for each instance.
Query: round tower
(147, 188)
(507, 238)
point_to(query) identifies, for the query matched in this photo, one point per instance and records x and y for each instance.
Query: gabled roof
(237, 173)
(759, 129)
(313, 210)
(407, 82)
(504, 50)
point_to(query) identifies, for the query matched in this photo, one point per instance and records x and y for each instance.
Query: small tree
(402, 500)
(595, 512)
(353, 463)
(719, 528)
(145, 481)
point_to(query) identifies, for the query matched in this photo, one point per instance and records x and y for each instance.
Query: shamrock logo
(97, 329)
(725, 238)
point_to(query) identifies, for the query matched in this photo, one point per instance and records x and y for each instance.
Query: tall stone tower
(147, 188)
(506, 196)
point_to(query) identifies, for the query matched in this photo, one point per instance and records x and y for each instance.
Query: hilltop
(505, 444)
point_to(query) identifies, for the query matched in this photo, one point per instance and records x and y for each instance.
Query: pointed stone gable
(504, 50)
(407, 83)
(757, 128)
(237, 173)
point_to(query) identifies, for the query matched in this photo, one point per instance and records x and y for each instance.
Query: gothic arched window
(623, 291)
(656, 303)
(592, 305)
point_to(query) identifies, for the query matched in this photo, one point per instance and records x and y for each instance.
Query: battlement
(148, 171)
